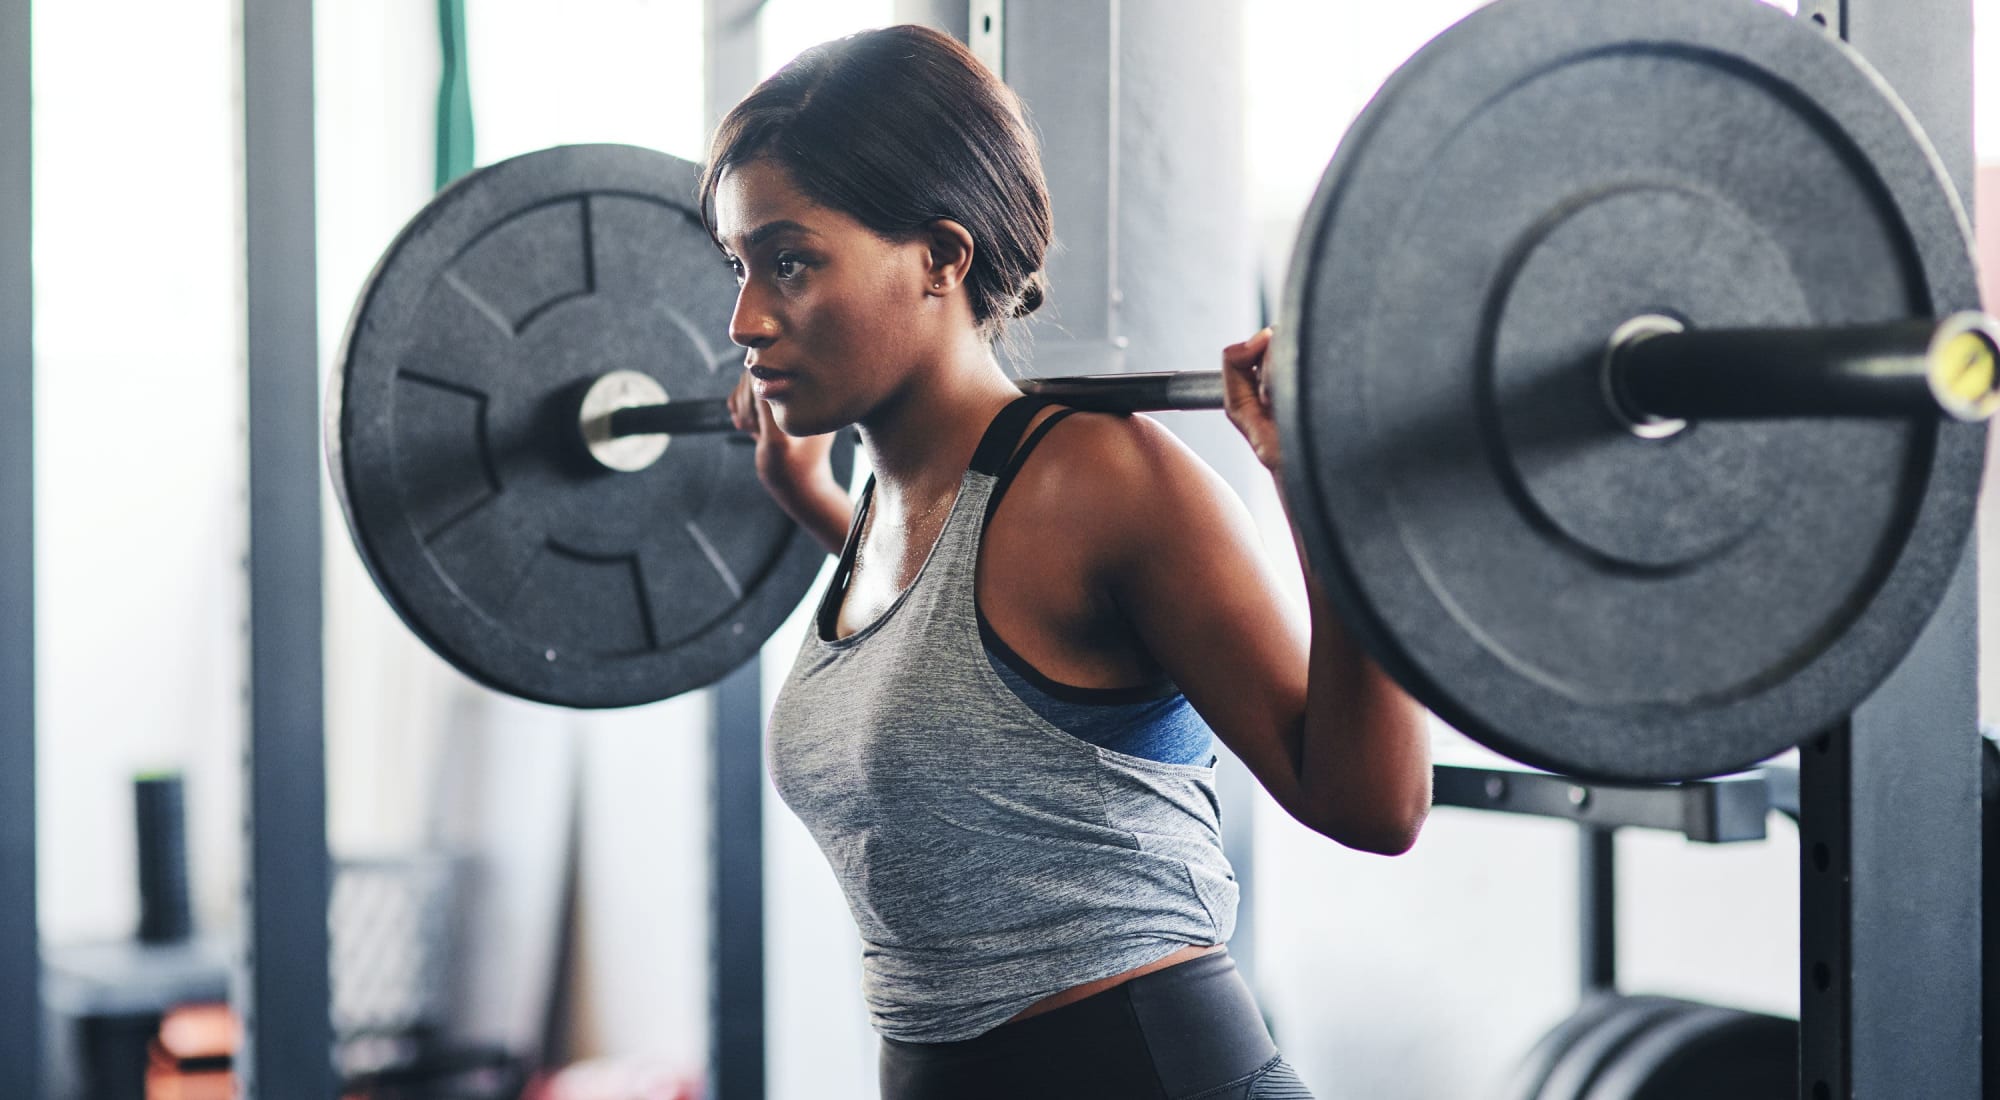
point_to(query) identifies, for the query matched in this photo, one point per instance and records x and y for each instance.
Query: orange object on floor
(617, 1079)
(190, 1057)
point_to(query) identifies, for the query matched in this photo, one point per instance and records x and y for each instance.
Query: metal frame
(736, 887)
(1890, 885)
(1597, 910)
(20, 962)
(1714, 811)
(284, 992)
(1890, 814)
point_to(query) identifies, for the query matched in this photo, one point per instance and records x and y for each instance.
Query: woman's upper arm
(1184, 564)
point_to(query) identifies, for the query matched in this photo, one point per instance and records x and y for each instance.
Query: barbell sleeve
(1660, 372)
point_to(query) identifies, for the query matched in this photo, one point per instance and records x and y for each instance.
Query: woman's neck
(920, 441)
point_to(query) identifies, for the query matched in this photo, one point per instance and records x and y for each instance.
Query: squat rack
(20, 964)
(1889, 894)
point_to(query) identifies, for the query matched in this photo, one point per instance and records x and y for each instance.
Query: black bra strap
(1001, 435)
(1006, 475)
(991, 458)
(828, 618)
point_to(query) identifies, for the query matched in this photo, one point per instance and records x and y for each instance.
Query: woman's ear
(949, 257)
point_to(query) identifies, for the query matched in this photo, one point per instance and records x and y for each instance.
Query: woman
(999, 729)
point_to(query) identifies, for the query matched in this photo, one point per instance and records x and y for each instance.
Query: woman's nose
(751, 325)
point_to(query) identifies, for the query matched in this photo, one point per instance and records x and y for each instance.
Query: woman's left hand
(1247, 397)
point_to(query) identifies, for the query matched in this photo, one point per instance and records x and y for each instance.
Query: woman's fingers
(767, 421)
(1247, 397)
(1243, 367)
(742, 402)
(1250, 352)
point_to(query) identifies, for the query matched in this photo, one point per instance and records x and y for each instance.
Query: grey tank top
(989, 858)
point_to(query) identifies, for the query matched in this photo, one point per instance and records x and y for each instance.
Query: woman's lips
(768, 383)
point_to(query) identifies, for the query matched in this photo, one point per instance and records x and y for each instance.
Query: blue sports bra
(1153, 721)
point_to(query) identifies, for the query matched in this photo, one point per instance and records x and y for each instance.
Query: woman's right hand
(787, 466)
(795, 470)
(1247, 397)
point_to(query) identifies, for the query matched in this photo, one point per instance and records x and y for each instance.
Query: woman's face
(832, 313)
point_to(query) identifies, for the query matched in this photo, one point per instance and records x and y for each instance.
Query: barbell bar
(1658, 377)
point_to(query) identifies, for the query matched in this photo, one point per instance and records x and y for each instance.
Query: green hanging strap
(454, 106)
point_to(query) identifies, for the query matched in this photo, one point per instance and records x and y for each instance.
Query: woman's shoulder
(1116, 472)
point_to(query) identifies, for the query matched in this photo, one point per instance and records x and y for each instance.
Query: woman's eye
(787, 267)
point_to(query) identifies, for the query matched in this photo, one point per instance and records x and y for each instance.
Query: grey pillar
(20, 965)
(1890, 828)
(730, 60)
(1140, 111)
(949, 16)
(284, 993)
(736, 760)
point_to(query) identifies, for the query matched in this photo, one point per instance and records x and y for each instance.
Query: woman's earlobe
(950, 254)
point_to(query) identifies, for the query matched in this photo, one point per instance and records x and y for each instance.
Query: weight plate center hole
(1640, 328)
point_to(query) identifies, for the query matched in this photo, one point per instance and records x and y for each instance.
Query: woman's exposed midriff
(1079, 992)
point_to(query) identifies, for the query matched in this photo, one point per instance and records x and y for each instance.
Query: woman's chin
(797, 422)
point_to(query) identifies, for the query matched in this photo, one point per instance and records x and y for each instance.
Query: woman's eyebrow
(768, 230)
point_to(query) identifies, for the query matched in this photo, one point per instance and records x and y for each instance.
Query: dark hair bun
(1032, 294)
(899, 127)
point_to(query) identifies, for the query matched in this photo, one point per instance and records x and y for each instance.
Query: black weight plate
(1707, 1052)
(453, 442)
(1556, 587)
(1531, 1074)
(1599, 1046)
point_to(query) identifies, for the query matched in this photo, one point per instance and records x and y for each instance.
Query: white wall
(139, 461)
(376, 70)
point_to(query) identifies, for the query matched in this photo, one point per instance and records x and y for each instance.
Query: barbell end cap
(1963, 366)
(620, 389)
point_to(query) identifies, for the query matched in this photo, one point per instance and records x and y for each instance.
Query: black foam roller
(164, 913)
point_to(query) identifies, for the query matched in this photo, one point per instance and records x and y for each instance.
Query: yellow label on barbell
(1965, 368)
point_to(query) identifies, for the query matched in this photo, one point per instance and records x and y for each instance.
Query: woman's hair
(898, 128)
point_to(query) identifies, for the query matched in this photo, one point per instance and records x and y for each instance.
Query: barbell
(1656, 378)
(1629, 374)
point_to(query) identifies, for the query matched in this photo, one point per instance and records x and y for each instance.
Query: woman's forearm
(1364, 753)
